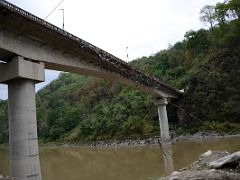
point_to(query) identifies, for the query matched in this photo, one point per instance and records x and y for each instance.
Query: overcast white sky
(144, 26)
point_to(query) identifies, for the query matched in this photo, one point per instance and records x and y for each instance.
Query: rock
(229, 159)
(174, 178)
(183, 169)
(7, 178)
(203, 174)
(208, 153)
(175, 173)
(199, 169)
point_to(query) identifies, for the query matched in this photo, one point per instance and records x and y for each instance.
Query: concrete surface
(23, 140)
(20, 68)
(163, 119)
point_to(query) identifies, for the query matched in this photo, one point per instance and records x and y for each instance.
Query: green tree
(234, 6)
(221, 13)
(197, 41)
(3, 122)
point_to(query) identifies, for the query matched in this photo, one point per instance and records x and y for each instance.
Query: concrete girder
(55, 59)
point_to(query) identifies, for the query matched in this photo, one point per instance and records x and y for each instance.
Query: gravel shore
(150, 141)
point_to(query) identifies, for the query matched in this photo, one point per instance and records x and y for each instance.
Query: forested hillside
(206, 64)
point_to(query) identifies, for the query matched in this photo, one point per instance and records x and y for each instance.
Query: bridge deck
(24, 24)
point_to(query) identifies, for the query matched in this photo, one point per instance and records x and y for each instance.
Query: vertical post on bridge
(21, 77)
(163, 119)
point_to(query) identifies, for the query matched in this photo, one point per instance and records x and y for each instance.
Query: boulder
(208, 153)
(233, 158)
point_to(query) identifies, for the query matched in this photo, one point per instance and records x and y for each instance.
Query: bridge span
(28, 45)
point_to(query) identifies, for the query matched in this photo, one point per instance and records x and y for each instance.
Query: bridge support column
(163, 119)
(21, 76)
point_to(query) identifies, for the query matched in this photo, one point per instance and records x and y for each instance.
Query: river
(118, 163)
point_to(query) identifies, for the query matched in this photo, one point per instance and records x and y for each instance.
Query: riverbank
(6, 178)
(199, 136)
(149, 141)
(210, 165)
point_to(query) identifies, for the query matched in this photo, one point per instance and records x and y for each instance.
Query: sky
(134, 27)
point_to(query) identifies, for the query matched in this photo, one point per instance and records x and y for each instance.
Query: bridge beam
(56, 58)
(21, 76)
(163, 119)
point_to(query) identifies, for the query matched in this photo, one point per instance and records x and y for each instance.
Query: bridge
(28, 46)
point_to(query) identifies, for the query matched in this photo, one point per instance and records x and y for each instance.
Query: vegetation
(205, 64)
(3, 122)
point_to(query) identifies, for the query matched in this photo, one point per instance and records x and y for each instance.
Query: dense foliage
(3, 122)
(83, 108)
(205, 64)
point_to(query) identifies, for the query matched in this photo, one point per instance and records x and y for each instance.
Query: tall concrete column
(163, 119)
(21, 76)
(24, 154)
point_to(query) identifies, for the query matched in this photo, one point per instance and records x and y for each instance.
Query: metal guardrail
(125, 69)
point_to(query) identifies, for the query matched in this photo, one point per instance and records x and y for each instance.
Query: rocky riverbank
(6, 178)
(210, 165)
(153, 140)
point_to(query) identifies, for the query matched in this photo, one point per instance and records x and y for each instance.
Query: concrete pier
(168, 157)
(21, 76)
(163, 119)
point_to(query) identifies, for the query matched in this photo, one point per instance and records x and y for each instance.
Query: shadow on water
(142, 162)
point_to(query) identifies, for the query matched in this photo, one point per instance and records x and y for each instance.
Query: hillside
(205, 64)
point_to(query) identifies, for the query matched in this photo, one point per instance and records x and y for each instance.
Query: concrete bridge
(28, 45)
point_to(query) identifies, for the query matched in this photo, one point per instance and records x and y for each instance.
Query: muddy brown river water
(120, 163)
